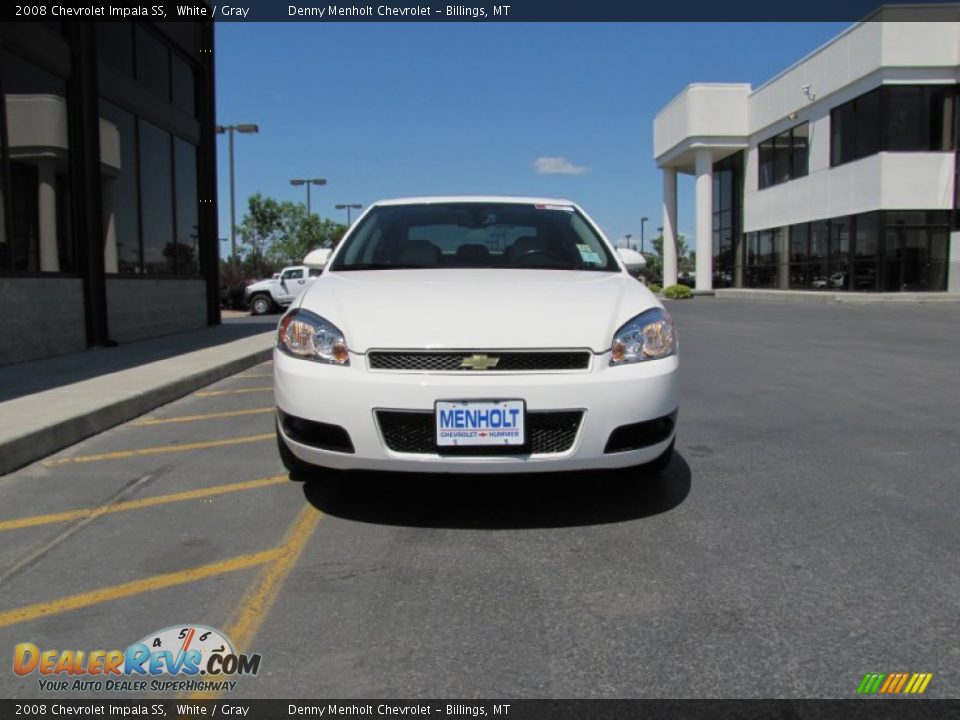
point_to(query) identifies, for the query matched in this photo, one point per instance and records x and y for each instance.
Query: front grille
(451, 361)
(416, 432)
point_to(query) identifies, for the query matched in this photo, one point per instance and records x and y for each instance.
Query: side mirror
(632, 259)
(316, 259)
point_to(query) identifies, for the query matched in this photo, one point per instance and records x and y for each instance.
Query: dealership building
(107, 179)
(839, 174)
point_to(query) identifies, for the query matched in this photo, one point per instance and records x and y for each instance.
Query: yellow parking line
(69, 515)
(121, 454)
(137, 587)
(216, 393)
(207, 416)
(259, 598)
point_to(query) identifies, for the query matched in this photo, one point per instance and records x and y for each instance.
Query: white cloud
(557, 166)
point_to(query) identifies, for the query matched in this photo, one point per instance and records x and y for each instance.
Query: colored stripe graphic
(894, 683)
(870, 683)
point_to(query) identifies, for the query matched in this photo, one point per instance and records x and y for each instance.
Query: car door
(292, 283)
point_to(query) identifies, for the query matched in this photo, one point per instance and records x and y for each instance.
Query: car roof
(475, 199)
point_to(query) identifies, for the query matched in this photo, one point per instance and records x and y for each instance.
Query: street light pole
(628, 236)
(642, 221)
(249, 128)
(308, 182)
(347, 207)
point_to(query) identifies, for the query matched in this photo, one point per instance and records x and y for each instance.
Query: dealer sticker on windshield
(471, 422)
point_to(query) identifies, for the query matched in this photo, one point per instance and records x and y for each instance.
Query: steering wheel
(538, 251)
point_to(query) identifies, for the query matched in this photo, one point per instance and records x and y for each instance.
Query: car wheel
(260, 304)
(298, 469)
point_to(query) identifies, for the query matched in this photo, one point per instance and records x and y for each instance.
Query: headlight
(649, 336)
(305, 335)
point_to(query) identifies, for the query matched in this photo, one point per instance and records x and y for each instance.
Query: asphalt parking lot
(805, 534)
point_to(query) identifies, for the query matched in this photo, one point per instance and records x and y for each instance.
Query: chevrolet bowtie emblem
(479, 362)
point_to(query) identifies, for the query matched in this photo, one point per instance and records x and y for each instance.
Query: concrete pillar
(108, 199)
(782, 239)
(47, 205)
(953, 268)
(704, 197)
(669, 226)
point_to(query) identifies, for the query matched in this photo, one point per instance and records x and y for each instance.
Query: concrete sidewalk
(47, 405)
(833, 296)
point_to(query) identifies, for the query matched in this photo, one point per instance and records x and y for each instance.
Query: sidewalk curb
(37, 444)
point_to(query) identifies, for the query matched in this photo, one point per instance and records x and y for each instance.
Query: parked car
(279, 291)
(475, 334)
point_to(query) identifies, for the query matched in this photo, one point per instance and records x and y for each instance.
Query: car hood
(477, 309)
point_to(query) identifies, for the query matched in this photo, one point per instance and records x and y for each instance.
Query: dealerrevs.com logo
(183, 658)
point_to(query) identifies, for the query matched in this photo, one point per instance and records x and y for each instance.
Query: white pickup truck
(280, 290)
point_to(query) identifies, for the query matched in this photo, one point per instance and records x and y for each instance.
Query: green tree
(275, 233)
(302, 234)
(655, 261)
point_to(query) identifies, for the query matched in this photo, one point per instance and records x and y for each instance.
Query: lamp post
(348, 207)
(628, 236)
(642, 221)
(308, 182)
(248, 128)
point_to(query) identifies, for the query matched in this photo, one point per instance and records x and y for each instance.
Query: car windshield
(474, 235)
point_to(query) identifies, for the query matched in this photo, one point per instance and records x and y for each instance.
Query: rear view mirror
(632, 259)
(316, 259)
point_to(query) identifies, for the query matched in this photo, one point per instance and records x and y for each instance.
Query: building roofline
(688, 86)
(874, 16)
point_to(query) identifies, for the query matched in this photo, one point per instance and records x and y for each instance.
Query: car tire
(298, 469)
(261, 304)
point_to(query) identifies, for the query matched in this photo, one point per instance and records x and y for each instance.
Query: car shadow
(498, 502)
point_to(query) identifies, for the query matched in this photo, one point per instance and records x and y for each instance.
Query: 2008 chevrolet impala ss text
(475, 334)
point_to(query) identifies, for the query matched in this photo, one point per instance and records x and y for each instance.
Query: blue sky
(386, 110)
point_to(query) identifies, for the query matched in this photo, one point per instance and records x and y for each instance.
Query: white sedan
(476, 335)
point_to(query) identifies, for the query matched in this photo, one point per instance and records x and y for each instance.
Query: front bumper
(349, 397)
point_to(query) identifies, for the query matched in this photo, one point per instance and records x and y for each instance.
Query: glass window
(183, 85)
(185, 168)
(937, 272)
(840, 253)
(472, 235)
(783, 152)
(842, 134)
(799, 242)
(768, 247)
(119, 181)
(293, 274)
(801, 150)
(905, 118)
(943, 108)
(156, 199)
(785, 156)
(38, 199)
(867, 110)
(767, 166)
(819, 239)
(115, 45)
(866, 252)
(153, 63)
(726, 189)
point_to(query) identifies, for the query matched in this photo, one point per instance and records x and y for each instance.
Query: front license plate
(473, 422)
